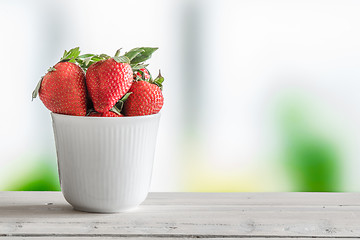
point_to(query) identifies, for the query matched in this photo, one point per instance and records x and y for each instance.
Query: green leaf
(159, 80)
(136, 67)
(96, 58)
(104, 56)
(137, 78)
(143, 56)
(122, 59)
(71, 54)
(120, 104)
(86, 55)
(87, 60)
(117, 54)
(36, 90)
(133, 53)
(51, 69)
(115, 110)
(125, 97)
(65, 60)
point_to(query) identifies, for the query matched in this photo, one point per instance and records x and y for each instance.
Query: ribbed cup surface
(105, 164)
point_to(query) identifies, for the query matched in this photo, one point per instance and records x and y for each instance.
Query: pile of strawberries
(102, 86)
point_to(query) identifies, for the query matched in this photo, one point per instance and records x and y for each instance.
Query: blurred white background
(232, 69)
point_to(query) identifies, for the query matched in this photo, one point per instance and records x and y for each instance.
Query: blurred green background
(259, 95)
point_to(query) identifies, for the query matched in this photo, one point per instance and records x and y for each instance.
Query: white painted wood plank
(285, 198)
(188, 214)
(282, 198)
(157, 238)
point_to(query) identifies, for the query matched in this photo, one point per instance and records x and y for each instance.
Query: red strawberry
(62, 89)
(146, 99)
(142, 73)
(107, 82)
(106, 114)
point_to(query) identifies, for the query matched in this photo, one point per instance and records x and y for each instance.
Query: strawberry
(108, 81)
(114, 111)
(62, 89)
(142, 74)
(106, 114)
(146, 98)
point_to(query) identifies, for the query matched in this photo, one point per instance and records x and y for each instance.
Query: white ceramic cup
(105, 163)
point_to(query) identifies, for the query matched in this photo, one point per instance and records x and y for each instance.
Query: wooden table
(46, 215)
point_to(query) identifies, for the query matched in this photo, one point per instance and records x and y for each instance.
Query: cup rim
(106, 118)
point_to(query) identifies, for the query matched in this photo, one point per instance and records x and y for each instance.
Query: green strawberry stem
(159, 80)
(120, 104)
(86, 60)
(135, 57)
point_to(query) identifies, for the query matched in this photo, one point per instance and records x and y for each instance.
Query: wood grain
(187, 216)
(162, 238)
